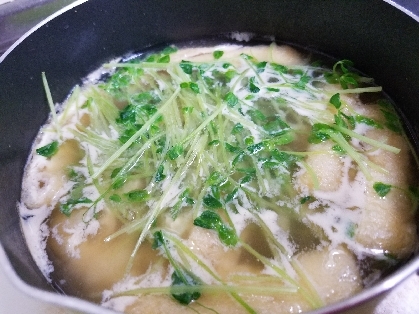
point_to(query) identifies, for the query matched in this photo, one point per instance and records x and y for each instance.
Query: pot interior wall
(381, 40)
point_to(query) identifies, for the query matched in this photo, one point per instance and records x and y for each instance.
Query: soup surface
(227, 179)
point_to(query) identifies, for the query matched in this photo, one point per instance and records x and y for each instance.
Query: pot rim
(40, 24)
(75, 303)
(406, 8)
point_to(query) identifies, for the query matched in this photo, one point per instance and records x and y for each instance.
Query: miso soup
(225, 179)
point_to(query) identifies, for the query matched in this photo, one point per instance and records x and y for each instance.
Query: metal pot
(382, 38)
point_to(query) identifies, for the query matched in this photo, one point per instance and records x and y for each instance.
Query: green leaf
(158, 239)
(368, 121)
(305, 199)
(237, 128)
(48, 150)
(382, 189)
(187, 279)
(392, 121)
(214, 127)
(115, 198)
(296, 72)
(272, 89)
(67, 207)
(186, 66)
(342, 75)
(335, 100)
(203, 68)
(194, 87)
(175, 151)
(160, 143)
(232, 149)
(255, 148)
(164, 59)
(246, 179)
(350, 119)
(276, 126)
(385, 104)
(184, 85)
(331, 78)
(183, 199)
(249, 171)
(211, 220)
(247, 57)
(284, 158)
(319, 133)
(144, 98)
(351, 229)
(128, 115)
(187, 109)
(249, 174)
(214, 143)
(227, 235)
(115, 172)
(349, 79)
(279, 68)
(232, 195)
(73, 175)
(117, 82)
(252, 86)
(338, 149)
(268, 164)
(215, 178)
(218, 54)
(151, 58)
(185, 196)
(168, 50)
(260, 67)
(231, 99)
(208, 220)
(226, 65)
(339, 121)
(256, 115)
(154, 129)
(344, 65)
(128, 133)
(249, 140)
(211, 202)
(238, 158)
(282, 139)
(137, 195)
(159, 175)
(181, 276)
(230, 74)
(301, 84)
(119, 182)
(87, 103)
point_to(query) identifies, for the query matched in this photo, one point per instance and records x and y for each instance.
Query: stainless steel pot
(382, 38)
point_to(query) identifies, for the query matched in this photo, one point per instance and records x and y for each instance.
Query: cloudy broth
(245, 179)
